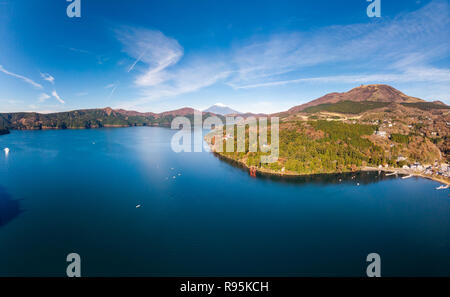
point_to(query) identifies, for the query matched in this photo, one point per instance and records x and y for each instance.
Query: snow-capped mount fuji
(221, 109)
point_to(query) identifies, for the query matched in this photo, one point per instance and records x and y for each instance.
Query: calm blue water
(70, 191)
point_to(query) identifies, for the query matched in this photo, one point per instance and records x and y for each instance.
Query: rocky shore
(399, 171)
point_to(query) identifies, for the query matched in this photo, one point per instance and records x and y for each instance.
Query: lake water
(70, 191)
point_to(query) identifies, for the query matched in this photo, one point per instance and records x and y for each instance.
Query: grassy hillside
(353, 107)
(347, 107)
(426, 105)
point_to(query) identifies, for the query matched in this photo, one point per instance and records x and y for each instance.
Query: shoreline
(264, 171)
(84, 128)
(405, 172)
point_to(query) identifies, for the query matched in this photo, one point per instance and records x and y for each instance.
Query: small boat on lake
(6, 150)
(408, 176)
(442, 187)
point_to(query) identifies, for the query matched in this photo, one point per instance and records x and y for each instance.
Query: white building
(381, 133)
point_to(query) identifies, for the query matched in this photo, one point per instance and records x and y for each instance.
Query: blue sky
(258, 56)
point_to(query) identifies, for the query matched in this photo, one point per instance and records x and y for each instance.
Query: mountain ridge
(221, 109)
(374, 93)
(378, 96)
(91, 118)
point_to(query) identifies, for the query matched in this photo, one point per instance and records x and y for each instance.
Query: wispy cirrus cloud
(155, 50)
(43, 97)
(25, 79)
(188, 79)
(78, 50)
(404, 49)
(418, 74)
(163, 69)
(184, 80)
(48, 78)
(57, 97)
(100, 59)
(113, 88)
(398, 46)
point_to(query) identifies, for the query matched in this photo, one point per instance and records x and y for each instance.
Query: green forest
(81, 119)
(340, 148)
(354, 107)
(348, 107)
(426, 105)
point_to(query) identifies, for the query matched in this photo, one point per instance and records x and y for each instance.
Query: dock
(392, 173)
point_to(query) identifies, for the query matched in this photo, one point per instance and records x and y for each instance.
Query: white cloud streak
(112, 91)
(410, 75)
(390, 50)
(157, 51)
(162, 73)
(43, 97)
(391, 45)
(48, 78)
(57, 97)
(26, 79)
(135, 62)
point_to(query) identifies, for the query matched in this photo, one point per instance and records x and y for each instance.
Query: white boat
(392, 173)
(442, 187)
(6, 150)
(138, 206)
(408, 176)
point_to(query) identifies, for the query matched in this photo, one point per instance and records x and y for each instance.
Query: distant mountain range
(91, 118)
(371, 125)
(221, 109)
(359, 100)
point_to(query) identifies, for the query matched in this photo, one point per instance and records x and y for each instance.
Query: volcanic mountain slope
(389, 110)
(372, 93)
(367, 126)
